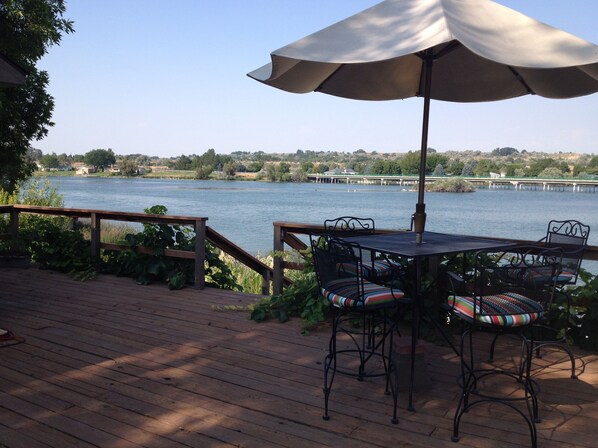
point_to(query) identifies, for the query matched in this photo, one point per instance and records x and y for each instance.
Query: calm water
(244, 211)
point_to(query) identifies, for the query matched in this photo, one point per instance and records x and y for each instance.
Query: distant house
(495, 175)
(85, 170)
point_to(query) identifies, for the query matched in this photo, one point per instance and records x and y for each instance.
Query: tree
(504, 152)
(551, 172)
(100, 158)
(183, 163)
(484, 167)
(50, 161)
(128, 166)
(439, 171)
(203, 172)
(27, 30)
(229, 169)
(254, 167)
(455, 168)
(410, 163)
(467, 170)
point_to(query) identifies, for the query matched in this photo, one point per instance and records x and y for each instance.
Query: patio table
(434, 244)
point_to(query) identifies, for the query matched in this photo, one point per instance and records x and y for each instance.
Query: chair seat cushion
(343, 293)
(542, 274)
(378, 269)
(504, 310)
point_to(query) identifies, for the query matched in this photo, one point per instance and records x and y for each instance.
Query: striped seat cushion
(379, 269)
(504, 310)
(342, 293)
(544, 275)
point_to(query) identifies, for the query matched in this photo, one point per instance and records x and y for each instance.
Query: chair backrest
(516, 271)
(349, 224)
(572, 237)
(336, 264)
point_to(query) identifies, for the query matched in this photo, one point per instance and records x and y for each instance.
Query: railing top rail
(306, 229)
(105, 214)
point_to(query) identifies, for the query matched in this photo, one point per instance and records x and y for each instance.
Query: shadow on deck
(108, 363)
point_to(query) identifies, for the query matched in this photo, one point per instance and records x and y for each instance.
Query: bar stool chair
(571, 237)
(500, 296)
(364, 318)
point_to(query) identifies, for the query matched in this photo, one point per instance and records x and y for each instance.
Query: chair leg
(527, 380)
(470, 377)
(392, 373)
(467, 379)
(565, 348)
(492, 346)
(375, 340)
(330, 363)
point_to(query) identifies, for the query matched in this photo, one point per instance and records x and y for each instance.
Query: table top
(403, 243)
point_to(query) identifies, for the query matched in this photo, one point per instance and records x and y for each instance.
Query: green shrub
(48, 240)
(584, 313)
(53, 247)
(177, 272)
(453, 185)
(301, 299)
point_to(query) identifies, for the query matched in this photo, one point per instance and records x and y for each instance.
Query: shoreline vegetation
(456, 166)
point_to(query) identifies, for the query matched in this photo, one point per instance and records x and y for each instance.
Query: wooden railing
(286, 233)
(202, 232)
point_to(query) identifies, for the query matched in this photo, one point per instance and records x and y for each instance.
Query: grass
(248, 279)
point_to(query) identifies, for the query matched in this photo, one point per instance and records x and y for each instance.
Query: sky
(168, 77)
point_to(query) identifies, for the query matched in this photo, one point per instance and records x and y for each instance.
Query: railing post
(96, 237)
(266, 283)
(200, 253)
(277, 281)
(13, 225)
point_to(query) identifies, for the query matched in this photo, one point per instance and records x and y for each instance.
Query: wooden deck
(108, 363)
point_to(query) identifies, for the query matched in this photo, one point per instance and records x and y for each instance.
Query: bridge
(516, 183)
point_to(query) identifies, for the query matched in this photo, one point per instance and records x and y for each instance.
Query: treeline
(285, 167)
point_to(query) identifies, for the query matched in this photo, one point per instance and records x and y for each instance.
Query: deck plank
(108, 363)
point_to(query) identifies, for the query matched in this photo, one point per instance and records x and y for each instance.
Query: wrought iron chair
(374, 267)
(572, 237)
(364, 321)
(501, 295)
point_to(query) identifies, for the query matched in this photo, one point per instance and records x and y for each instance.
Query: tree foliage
(100, 158)
(27, 30)
(50, 161)
(128, 166)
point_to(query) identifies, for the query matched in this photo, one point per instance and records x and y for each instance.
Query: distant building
(85, 170)
(338, 171)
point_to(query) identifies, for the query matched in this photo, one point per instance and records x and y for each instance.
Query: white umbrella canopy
(450, 50)
(11, 75)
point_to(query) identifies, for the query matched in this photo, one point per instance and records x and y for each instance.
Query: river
(244, 211)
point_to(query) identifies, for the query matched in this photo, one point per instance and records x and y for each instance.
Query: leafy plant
(301, 299)
(584, 313)
(176, 272)
(53, 247)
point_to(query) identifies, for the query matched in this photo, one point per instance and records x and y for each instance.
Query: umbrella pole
(419, 217)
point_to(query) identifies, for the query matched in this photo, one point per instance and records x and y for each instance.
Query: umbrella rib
(320, 87)
(521, 80)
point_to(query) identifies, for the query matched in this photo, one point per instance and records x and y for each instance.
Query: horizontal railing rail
(202, 231)
(286, 233)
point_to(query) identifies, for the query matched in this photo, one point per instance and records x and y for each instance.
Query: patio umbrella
(450, 50)
(11, 74)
